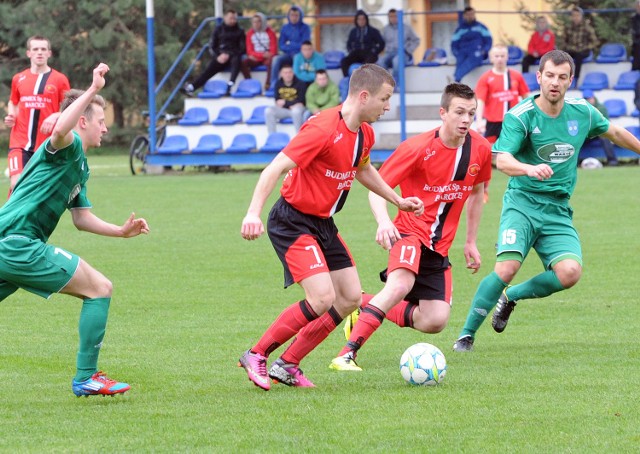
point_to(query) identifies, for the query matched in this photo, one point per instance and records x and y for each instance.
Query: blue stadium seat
(627, 80)
(257, 116)
(229, 115)
(592, 149)
(208, 143)
(286, 121)
(515, 55)
(612, 53)
(248, 88)
(276, 141)
(532, 81)
(434, 56)
(194, 116)
(595, 80)
(174, 145)
(343, 85)
(242, 143)
(635, 113)
(215, 88)
(616, 107)
(333, 58)
(589, 58)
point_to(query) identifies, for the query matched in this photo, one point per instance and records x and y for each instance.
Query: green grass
(192, 295)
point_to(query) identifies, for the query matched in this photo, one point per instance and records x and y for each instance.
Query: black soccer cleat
(464, 344)
(503, 311)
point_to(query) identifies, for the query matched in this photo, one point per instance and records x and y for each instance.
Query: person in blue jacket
(470, 44)
(364, 43)
(292, 35)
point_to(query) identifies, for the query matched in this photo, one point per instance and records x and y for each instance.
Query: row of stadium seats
(228, 115)
(212, 143)
(594, 149)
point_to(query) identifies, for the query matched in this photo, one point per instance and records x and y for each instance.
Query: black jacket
(227, 40)
(366, 38)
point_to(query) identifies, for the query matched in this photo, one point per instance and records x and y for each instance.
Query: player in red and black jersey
(444, 167)
(34, 105)
(321, 162)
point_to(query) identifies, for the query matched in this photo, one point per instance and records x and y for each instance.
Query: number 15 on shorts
(508, 236)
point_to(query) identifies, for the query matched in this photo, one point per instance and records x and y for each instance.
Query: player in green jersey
(538, 148)
(53, 181)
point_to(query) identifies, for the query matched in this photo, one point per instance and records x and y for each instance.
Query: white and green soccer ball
(423, 365)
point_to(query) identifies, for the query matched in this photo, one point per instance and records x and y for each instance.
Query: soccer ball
(423, 364)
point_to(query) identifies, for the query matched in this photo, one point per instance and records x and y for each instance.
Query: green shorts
(34, 266)
(541, 222)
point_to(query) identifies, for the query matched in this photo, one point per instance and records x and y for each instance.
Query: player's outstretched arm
(86, 221)
(62, 136)
(508, 164)
(623, 138)
(371, 179)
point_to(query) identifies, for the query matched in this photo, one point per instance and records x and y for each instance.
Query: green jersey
(50, 184)
(533, 137)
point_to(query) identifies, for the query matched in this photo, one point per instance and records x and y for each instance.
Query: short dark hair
(321, 71)
(306, 43)
(468, 8)
(369, 77)
(455, 90)
(286, 65)
(577, 9)
(392, 10)
(557, 57)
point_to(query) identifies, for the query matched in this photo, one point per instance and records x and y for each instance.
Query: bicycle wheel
(138, 154)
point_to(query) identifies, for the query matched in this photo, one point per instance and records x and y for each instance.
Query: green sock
(544, 284)
(91, 327)
(485, 299)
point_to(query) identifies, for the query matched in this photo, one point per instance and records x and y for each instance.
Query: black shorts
(433, 277)
(493, 130)
(305, 244)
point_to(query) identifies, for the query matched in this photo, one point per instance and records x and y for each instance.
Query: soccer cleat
(464, 344)
(289, 374)
(98, 384)
(350, 322)
(346, 363)
(502, 313)
(256, 367)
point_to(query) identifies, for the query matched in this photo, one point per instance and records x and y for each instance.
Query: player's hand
(98, 75)
(540, 172)
(10, 120)
(252, 227)
(134, 227)
(412, 204)
(49, 123)
(387, 234)
(472, 257)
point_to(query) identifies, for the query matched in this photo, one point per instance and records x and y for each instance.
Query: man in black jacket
(364, 43)
(226, 46)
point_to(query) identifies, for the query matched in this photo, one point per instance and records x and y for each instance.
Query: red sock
(289, 322)
(402, 314)
(311, 336)
(369, 321)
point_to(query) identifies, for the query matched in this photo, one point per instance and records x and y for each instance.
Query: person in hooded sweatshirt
(364, 43)
(292, 35)
(262, 47)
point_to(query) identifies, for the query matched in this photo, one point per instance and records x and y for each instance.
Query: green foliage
(192, 295)
(610, 26)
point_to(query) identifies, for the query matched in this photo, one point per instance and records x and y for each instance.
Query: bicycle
(139, 148)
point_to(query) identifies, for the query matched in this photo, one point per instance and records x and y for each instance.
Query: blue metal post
(151, 77)
(401, 68)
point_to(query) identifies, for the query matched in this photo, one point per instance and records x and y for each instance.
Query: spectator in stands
(635, 38)
(470, 44)
(292, 35)
(497, 91)
(390, 35)
(542, 41)
(578, 39)
(289, 93)
(307, 62)
(321, 94)
(364, 43)
(226, 46)
(262, 47)
(609, 152)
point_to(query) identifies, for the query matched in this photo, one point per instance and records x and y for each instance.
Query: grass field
(192, 295)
